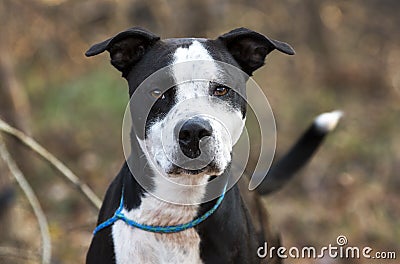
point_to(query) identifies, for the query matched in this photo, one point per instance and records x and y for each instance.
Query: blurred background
(348, 58)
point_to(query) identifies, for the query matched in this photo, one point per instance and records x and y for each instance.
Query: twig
(56, 163)
(18, 253)
(30, 195)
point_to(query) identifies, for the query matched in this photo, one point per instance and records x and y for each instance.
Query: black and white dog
(231, 228)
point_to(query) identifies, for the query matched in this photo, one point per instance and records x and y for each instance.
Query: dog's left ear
(250, 48)
(126, 48)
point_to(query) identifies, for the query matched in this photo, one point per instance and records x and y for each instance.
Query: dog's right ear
(126, 48)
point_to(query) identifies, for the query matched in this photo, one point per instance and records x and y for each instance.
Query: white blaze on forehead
(191, 64)
(195, 51)
(193, 70)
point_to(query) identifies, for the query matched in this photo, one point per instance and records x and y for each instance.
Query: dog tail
(284, 170)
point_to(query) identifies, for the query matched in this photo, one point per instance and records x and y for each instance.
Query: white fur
(133, 245)
(327, 122)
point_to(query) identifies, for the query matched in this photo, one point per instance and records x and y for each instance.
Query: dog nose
(190, 134)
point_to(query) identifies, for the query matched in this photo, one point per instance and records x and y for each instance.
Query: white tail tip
(327, 122)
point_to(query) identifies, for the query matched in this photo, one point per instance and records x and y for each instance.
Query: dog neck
(182, 190)
(149, 247)
(155, 212)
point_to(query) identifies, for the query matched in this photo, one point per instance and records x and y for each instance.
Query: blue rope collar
(119, 215)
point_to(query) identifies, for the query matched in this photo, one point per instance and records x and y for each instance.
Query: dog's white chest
(132, 245)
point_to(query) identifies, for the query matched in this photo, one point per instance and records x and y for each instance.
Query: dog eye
(157, 94)
(220, 90)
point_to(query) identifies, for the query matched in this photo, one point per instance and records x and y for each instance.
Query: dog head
(194, 112)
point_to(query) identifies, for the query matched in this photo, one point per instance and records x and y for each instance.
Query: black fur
(286, 167)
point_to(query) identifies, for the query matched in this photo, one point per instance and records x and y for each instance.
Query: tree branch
(56, 163)
(30, 195)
